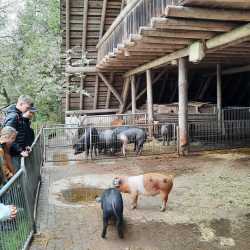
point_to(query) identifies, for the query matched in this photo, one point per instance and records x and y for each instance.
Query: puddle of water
(81, 194)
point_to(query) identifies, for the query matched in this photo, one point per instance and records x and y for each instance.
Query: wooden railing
(135, 15)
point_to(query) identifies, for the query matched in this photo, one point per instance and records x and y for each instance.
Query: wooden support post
(104, 7)
(149, 96)
(67, 24)
(125, 93)
(219, 96)
(204, 88)
(108, 91)
(163, 87)
(183, 106)
(155, 80)
(67, 96)
(96, 92)
(112, 89)
(82, 77)
(133, 95)
(122, 5)
(84, 25)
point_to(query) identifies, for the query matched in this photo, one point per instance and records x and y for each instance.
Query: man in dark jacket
(29, 132)
(14, 118)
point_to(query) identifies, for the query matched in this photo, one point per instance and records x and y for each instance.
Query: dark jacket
(29, 132)
(15, 119)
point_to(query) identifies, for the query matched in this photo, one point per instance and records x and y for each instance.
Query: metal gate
(59, 141)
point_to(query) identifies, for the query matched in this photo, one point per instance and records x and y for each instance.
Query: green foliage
(29, 59)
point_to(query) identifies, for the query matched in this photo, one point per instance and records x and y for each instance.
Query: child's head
(8, 135)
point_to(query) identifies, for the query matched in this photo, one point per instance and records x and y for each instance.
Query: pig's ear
(98, 199)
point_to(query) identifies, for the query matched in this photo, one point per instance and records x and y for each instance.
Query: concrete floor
(208, 208)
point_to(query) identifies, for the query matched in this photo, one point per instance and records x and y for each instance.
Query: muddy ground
(208, 208)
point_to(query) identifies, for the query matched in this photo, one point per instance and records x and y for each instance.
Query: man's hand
(25, 153)
(28, 148)
(13, 212)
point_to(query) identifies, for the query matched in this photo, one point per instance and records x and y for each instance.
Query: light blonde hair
(6, 133)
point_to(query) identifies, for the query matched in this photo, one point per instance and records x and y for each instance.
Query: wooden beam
(226, 4)
(219, 96)
(183, 106)
(74, 70)
(163, 87)
(133, 95)
(149, 97)
(234, 35)
(165, 40)
(91, 111)
(151, 32)
(217, 41)
(122, 5)
(236, 70)
(208, 14)
(96, 92)
(67, 95)
(204, 88)
(104, 7)
(158, 62)
(157, 46)
(109, 92)
(81, 88)
(155, 80)
(124, 94)
(201, 25)
(112, 89)
(84, 25)
(67, 24)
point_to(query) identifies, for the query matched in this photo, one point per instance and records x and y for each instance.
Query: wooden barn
(119, 55)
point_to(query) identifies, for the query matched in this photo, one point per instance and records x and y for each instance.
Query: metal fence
(22, 191)
(234, 131)
(204, 133)
(60, 143)
(76, 119)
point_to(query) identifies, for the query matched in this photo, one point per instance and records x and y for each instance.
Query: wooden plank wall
(92, 36)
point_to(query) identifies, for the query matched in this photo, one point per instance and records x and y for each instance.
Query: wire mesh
(21, 190)
(98, 142)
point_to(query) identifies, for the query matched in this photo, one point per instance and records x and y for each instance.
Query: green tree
(30, 59)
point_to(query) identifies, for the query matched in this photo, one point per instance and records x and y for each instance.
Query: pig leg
(164, 197)
(139, 148)
(119, 225)
(134, 200)
(135, 146)
(95, 149)
(168, 137)
(87, 153)
(164, 140)
(105, 225)
(124, 147)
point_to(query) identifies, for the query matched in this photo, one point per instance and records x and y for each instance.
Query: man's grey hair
(25, 99)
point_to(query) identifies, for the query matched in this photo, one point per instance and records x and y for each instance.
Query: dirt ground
(208, 208)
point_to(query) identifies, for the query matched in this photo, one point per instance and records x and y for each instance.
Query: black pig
(88, 141)
(112, 207)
